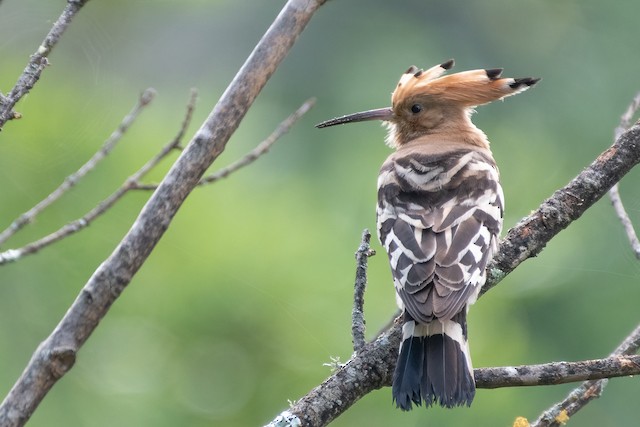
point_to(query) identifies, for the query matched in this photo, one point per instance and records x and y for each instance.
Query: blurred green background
(249, 292)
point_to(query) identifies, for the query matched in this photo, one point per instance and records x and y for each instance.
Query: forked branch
(69, 182)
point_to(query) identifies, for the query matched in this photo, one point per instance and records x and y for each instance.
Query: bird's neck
(457, 129)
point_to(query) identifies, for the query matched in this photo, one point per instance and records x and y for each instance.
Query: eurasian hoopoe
(439, 215)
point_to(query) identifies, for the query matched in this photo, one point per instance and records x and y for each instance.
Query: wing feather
(439, 217)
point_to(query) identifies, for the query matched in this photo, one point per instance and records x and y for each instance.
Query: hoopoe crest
(439, 215)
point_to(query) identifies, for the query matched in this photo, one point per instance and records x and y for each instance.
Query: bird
(439, 216)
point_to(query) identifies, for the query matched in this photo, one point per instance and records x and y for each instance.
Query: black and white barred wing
(439, 217)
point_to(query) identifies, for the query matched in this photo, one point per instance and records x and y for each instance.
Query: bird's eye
(416, 108)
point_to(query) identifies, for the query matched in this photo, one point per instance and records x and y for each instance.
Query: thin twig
(261, 149)
(69, 182)
(37, 62)
(129, 184)
(559, 413)
(623, 216)
(56, 355)
(626, 120)
(358, 324)
(614, 194)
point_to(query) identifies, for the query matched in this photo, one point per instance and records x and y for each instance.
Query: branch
(623, 216)
(614, 193)
(585, 393)
(12, 255)
(252, 155)
(37, 63)
(56, 355)
(357, 314)
(557, 372)
(69, 182)
(372, 367)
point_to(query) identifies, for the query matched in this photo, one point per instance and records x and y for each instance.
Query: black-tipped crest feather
(494, 73)
(524, 81)
(447, 65)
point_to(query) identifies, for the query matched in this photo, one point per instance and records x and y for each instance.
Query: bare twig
(27, 217)
(358, 324)
(372, 367)
(261, 149)
(623, 216)
(559, 413)
(133, 183)
(626, 120)
(56, 355)
(614, 193)
(12, 255)
(38, 62)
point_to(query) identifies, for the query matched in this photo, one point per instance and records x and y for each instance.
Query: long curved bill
(377, 114)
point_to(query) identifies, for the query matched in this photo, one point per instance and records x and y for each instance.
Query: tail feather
(434, 365)
(406, 378)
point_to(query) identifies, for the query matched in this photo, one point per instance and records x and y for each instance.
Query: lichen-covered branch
(557, 372)
(370, 368)
(56, 354)
(37, 62)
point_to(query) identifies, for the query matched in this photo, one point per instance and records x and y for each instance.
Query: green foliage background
(249, 292)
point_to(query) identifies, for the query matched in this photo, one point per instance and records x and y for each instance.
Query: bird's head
(425, 103)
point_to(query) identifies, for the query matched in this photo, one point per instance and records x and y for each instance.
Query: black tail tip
(405, 401)
(432, 370)
(525, 81)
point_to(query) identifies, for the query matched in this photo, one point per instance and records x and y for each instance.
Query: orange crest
(466, 89)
